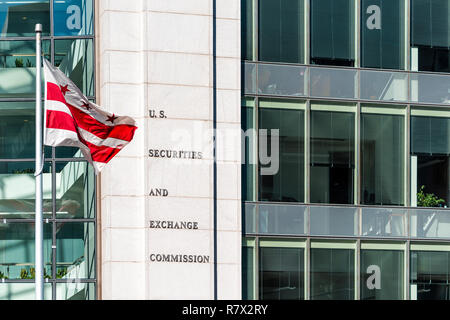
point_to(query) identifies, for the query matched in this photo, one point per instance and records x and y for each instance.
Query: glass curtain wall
(382, 157)
(430, 35)
(287, 183)
(383, 34)
(332, 154)
(333, 32)
(68, 181)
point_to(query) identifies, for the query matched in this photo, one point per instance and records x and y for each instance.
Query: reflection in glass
(333, 221)
(383, 222)
(381, 275)
(247, 273)
(281, 219)
(75, 250)
(248, 166)
(75, 190)
(332, 274)
(382, 154)
(73, 17)
(430, 158)
(18, 18)
(75, 59)
(384, 86)
(333, 83)
(281, 273)
(17, 190)
(430, 275)
(332, 157)
(281, 30)
(383, 34)
(430, 35)
(75, 291)
(18, 67)
(23, 291)
(281, 80)
(17, 247)
(333, 32)
(288, 184)
(247, 29)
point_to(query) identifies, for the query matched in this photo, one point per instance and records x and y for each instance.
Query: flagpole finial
(38, 27)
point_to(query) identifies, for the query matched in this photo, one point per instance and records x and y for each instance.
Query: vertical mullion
(358, 33)
(308, 269)
(407, 157)
(408, 21)
(307, 150)
(307, 34)
(358, 270)
(256, 264)
(255, 15)
(256, 146)
(52, 33)
(407, 270)
(358, 154)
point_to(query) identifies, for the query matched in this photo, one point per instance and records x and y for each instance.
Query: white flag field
(71, 120)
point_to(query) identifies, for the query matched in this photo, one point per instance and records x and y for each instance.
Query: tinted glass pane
(73, 17)
(17, 190)
(18, 18)
(430, 275)
(75, 291)
(430, 163)
(382, 33)
(247, 29)
(247, 273)
(75, 250)
(281, 30)
(430, 35)
(288, 183)
(17, 251)
(332, 274)
(332, 156)
(18, 67)
(75, 190)
(332, 32)
(382, 154)
(248, 166)
(381, 275)
(281, 274)
(75, 59)
(23, 291)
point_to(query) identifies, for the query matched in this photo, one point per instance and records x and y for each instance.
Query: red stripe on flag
(89, 123)
(92, 125)
(54, 93)
(60, 120)
(100, 154)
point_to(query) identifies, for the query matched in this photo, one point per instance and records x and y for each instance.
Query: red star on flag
(86, 106)
(112, 118)
(64, 89)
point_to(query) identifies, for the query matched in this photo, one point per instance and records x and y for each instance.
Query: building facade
(351, 97)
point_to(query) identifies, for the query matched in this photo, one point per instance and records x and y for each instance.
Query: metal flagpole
(39, 256)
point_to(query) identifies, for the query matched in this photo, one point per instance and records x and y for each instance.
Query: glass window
(287, 184)
(430, 161)
(247, 29)
(18, 18)
(75, 250)
(248, 273)
(430, 275)
(75, 190)
(333, 32)
(281, 274)
(332, 157)
(381, 275)
(383, 34)
(18, 67)
(382, 159)
(75, 59)
(17, 190)
(249, 156)
(430, 35)
(281, 30)
(332, 274)
(75, 291)
(73, 17)
(17, 251)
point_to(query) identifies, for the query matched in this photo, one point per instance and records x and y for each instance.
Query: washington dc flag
(71, 120)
